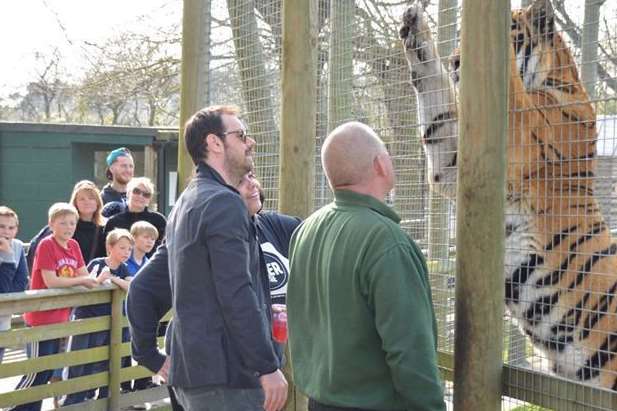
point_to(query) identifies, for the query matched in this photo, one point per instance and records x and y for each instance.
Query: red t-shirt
(65, 262)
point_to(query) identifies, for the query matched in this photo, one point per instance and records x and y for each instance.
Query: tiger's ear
(542, 16)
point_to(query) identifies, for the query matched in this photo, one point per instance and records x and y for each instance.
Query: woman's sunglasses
(144, 194)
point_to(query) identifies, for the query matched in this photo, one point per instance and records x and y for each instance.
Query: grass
(530, 408)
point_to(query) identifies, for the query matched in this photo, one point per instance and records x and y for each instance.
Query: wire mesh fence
(560, 268)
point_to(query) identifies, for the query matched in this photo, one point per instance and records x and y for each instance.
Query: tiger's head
(543, 66)
(543, 59)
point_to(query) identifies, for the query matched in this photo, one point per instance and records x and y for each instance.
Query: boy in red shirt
(58, 263)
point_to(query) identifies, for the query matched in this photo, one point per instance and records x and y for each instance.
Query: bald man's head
(348, 153)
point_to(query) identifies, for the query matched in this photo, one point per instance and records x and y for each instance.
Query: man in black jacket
(220, 346)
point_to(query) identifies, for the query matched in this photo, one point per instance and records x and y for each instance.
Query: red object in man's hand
(279, 327)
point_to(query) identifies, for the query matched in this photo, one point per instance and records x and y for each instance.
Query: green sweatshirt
(362, 330)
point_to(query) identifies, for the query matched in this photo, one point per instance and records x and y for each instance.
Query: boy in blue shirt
(113, 269)
(145, 235)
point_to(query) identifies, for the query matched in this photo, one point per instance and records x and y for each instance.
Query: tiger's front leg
(420, 51)
(436, 101)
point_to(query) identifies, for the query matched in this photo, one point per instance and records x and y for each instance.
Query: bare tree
(564, 20)
(133, 79)
(256, 89)
(47, 96)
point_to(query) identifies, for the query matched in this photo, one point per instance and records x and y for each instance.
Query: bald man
(362, 330)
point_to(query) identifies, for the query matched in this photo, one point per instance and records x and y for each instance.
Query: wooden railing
(530, 386)
(542, 389)
(16, 303)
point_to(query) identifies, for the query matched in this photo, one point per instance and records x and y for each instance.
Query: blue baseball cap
(119, 152)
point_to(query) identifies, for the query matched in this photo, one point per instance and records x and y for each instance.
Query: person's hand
(5, 245)
(88, 282)
(104, 275)
(279, 308)
(164, 371)
(275, 390)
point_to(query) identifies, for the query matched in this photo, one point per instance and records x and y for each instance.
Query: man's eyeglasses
(144, 194)
(242, 135)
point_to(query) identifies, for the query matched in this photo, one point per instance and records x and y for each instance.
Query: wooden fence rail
(17, 303)
(523, 384)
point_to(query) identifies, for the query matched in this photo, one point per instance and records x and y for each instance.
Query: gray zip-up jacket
(220, 334)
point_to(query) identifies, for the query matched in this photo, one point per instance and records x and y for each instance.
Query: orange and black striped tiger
(560, 262)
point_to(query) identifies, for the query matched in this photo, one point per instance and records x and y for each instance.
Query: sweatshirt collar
(351, 198)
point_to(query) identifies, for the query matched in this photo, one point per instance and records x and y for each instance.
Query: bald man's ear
(215, 144)
(380, 166)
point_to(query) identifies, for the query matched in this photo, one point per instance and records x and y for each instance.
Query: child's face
(144, 243)
(8, 227)
(121, 251)
(63, 226)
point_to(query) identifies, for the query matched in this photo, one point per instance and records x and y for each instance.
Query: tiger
(560, 260)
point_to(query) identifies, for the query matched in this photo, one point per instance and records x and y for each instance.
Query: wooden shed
(40, 163)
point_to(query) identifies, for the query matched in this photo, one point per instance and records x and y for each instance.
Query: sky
(31, 27)
(28, 27)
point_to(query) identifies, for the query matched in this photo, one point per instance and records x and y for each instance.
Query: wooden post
(115, 345)
(150, 171)
(298, 82)
(483, 114)
(298, 128)
(194, 88)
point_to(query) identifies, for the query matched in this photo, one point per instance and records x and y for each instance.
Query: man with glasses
(222, 356)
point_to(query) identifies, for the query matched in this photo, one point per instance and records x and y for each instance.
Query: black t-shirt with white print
(275, 230)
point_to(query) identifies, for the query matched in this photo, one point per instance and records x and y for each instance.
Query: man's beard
(236, 168)
(121, 180)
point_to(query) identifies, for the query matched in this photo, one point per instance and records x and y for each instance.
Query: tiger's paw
(417, 41)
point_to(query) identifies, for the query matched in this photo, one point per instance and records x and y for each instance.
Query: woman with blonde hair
(138, 196)
(86, 198)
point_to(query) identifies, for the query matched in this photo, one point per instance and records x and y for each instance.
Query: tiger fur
(560, 261)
